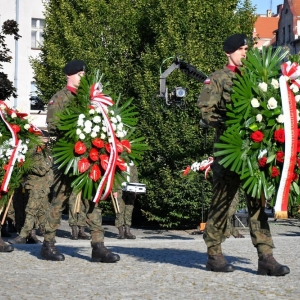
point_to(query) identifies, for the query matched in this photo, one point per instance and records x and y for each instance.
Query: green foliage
(130, 41)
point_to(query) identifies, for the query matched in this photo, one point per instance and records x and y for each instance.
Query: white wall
(19, 70)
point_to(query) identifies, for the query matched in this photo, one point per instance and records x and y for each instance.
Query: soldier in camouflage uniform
(73, 70)
(215, 95)
(126, 204)
(37, 186)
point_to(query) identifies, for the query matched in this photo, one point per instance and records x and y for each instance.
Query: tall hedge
(132, 43)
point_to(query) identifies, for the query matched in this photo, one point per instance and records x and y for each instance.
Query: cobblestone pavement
(157, 265)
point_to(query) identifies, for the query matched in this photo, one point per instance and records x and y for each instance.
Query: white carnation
(82, 136)
(118, 118)
(93, 134)
(103, 136)
(97, 119)
(91, 111)
(88, 123)
(78, 131)
(96, 128)
(13, 115)
(104, 129)
(294, 88)
(81, 116)
(26, 126)
(87, 129)
(114, 120)
(297, 97)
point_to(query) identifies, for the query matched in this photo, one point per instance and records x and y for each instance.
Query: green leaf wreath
(253, 143)
(83, 149)
(28, 135)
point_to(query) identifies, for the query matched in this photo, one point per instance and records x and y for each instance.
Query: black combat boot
(32, 238)
(218, 263)
(49, 252)
(74, 233)
(128, 234)
(82, 235)
(4, 247)
(101, 254)
(267, 265)
(18, 240)
(121, 233)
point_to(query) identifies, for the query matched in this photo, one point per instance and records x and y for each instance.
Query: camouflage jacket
(56, 104)
(214, 97)
(41, 174)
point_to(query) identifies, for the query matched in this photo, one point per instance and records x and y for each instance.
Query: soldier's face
(235, 58)
(74, 80)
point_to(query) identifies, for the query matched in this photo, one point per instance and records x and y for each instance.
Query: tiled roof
(265, 26)
(296, 5)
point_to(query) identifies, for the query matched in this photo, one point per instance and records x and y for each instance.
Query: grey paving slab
(157, 265)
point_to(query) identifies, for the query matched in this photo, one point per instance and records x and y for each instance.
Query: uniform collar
(234, 69)
(72, 89)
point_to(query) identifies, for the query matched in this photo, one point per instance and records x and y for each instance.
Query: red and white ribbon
(16, 143)
(102, 101)
(205, 165)
(289, 71)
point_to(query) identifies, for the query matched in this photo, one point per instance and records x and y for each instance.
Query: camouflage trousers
(232, 209)
(76, 218)
(93, 219)
(126, 205)
(36, 208)
(225, 187)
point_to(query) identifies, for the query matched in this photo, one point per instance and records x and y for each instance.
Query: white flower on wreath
(263, 86)
(21, 158)
(280, 118)
(82, 136)
(255, 102)
(120, 126)
(103, 136)
(104, 129)
(87, 129)
(297, 98)
(13, 115)
(272, 103)
(97, 119)
(275, 83)
(81, 116)
(294, 88)
(259, 117)
(93, 134)
(26, 126)
(80, 122)
(262, 153)
(114, 120)
(88, 124)
(114, 127)
(96, 128)
(120, 134)
(118, 118)
(78, 131)
(92, 111)
(2, 107)
(195, 166)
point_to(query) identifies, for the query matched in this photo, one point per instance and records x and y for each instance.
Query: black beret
(73, 67)
(234, 42)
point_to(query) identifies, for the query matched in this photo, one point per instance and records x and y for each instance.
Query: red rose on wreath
(274, 172)
(262, 162)
(79, 148)
(94, 155)
(280, 156)
(83, 165)
(257, 136)
(279, 135)
(97, 142)
(95, 173)
(126, 145)
(295, 177)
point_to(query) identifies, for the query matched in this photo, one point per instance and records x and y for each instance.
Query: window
(36, 103)
(289, 33)
(37, 26)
